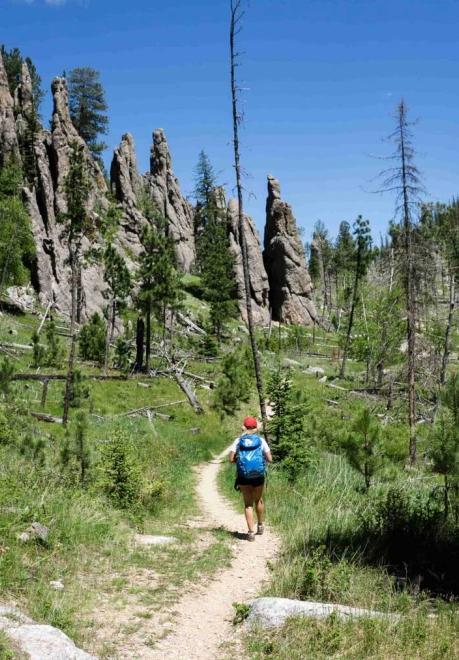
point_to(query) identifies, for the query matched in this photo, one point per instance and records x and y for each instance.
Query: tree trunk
(79, 295)
(44, 393)
(235, 19)
(111, 311)
(410, 304)
(71, 360)
(112, 325)
(139, 341)
(148, 338)
(351, 318)
(446, 346)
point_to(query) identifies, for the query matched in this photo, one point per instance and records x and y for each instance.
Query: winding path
(204, 616)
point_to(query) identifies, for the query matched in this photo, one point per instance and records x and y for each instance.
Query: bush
(406, 530)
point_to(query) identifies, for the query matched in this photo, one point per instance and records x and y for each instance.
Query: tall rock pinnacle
(289, 281)
(165, 192)
(257, 274)
(9, 148)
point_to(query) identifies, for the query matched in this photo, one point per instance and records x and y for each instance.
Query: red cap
(250, 423)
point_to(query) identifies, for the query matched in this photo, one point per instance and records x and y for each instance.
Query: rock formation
(9, 147)
(166, 195)
(278, 278)
(45, 199)
(128, 187)
(259, 288)
(289, 282)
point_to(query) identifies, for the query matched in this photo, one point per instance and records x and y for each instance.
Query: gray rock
(285, 262)
(9, 146)
(35, 531)
(38, 642)
(273, 612)
(22, 297)
(43, 642)
(147, 539)
(168, 199)
(259, 288)
(288, 362)
(57, 585)
(315, 371)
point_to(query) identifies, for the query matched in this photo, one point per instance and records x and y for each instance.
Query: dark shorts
(258, 481)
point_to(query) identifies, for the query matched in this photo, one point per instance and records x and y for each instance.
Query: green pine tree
(88, 107)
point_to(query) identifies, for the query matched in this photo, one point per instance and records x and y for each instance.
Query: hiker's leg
(247, 494)
(259, 504)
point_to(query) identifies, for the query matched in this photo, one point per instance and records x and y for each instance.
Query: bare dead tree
(235, 26)
(403, 179)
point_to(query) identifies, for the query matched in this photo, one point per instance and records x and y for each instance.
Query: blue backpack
(250, 459)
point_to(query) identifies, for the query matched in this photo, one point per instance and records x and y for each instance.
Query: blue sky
(323, 78)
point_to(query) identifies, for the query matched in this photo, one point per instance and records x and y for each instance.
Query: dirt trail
(204, 616)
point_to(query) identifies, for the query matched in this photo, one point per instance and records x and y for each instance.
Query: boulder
(274, 612)
(39, 642)
(259, 288)
(168, 199)
(285, 262)
(147, 539)
(36, 531)
(315, 371)
(21, 297)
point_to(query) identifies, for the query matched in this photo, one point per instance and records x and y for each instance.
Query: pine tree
(362, 254)
(54, 345)
(404, 179)
(363, 446)
(233, 387)
(160, 282)
(235, 25)
(287, 432)
(77, 225)
(88, 107)
(214, 258)
(17, 246)
(91, 339)
(13, 60)
(118, 279)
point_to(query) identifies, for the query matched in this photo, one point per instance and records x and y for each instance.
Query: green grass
(90, 540)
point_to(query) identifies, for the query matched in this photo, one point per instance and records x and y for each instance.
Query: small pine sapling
(287, 427)
(55, 351)
(362, 446)
(6, 377)
(38, 351)
(233, 387)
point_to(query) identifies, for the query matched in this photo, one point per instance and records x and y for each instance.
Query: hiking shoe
(250, 536)
(260, 529)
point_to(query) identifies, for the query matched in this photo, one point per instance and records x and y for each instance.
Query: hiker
(250, 452)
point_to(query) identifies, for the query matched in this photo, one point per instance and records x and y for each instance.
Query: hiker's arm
(232, 457)
(268, 456)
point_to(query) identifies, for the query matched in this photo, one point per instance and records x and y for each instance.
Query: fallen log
(43, 417)
(152, 408)
(188, 391)
(191, 324)
(19, 347)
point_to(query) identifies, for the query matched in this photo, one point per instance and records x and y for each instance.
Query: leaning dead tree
(404, 180)
(235, 26)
